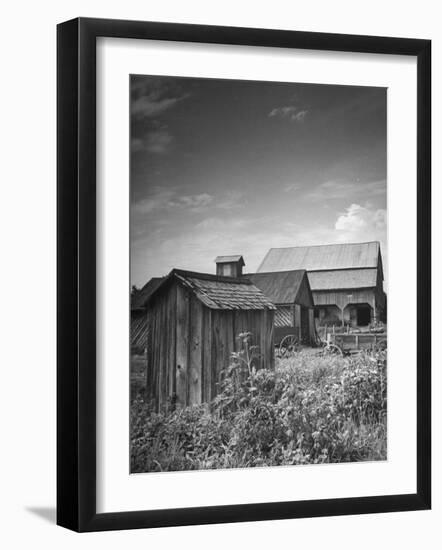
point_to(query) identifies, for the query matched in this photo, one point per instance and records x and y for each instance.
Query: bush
(308, 410)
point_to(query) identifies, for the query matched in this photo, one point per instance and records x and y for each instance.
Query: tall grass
(309, 410)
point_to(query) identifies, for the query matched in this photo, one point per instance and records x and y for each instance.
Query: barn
(291, 294)
(138, 315)
(346, 280)
(194, 320)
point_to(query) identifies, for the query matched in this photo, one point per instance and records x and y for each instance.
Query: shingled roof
(281, 287)
(218, 292)
(322, 257)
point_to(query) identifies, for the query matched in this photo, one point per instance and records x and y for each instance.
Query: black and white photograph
(259, 273)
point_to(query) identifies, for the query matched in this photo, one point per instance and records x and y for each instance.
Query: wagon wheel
(332, 349)
(288, 345)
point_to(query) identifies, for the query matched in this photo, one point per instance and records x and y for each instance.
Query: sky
(222, 167)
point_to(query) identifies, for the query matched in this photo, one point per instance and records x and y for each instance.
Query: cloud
(342, 189)
(230, 200)
(289, 112)
(192, 202)
(157, 200)
(361, 224)
(292, 187)
(151, 96)
(155, 141)
(170, 199)
(220, 224)
(357, 218)
(194, 247)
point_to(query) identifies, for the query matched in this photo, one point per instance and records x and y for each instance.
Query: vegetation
(309, 410)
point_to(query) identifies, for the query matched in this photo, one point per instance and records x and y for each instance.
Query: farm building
(346, 280)
(291, 294)
(194, 320)
(138, 315)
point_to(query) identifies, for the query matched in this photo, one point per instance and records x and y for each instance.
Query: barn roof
(322, 257)
(281, 287)
(219, 292)
(228, 259)
(342, 278)
(139, 299)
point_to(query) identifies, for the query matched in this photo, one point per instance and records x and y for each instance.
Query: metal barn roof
(342, 279)
(281, 287)
(321, 257)
(218, 292)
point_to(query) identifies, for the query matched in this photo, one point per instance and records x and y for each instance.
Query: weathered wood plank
(216, 355)
(195, 351)
(149, 359)
(171, 367)
(206, 367)
(229, 327)
(182, 343)
(162, 380)
(154, 371)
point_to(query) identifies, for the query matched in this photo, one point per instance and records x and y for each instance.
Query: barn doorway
(363, 315)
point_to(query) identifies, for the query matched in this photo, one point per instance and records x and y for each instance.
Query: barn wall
(195, 370)
(341, 298)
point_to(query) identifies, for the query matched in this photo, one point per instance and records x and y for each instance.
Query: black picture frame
(76, 274)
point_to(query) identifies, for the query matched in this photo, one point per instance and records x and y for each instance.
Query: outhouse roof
(219, 292)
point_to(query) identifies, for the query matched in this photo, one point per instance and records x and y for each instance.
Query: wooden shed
(290, 292)
(194, 320)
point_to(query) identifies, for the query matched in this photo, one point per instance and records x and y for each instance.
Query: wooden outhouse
(194, 320)
(291, 294)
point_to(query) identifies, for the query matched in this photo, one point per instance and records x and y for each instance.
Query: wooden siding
(342, 298)
(190, 344)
